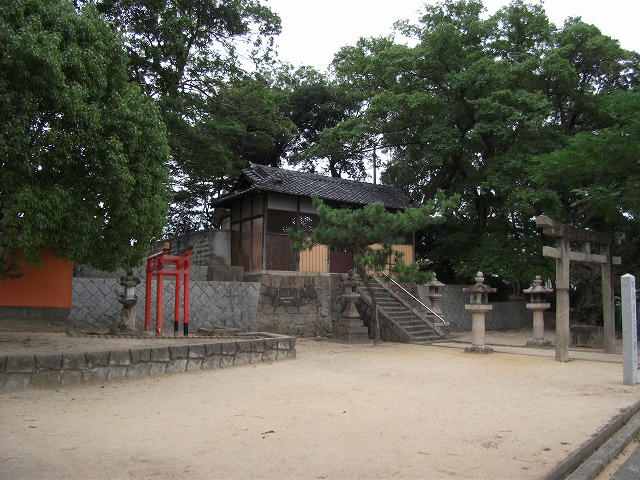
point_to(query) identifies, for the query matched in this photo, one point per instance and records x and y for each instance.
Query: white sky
(314, 30)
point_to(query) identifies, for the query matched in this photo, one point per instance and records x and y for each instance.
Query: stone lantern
(350, 327)
(128, 301)
(538, 305)
(434, 292)
(478, 306)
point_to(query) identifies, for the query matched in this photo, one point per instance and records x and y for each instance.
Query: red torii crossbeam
(160, 265)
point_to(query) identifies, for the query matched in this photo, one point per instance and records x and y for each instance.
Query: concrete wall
(196, 272)
(504, 316)
(288, 303)
(211, 304)
(210, 247)
(296, 303)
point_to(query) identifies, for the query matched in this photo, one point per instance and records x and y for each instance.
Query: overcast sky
(313, 30)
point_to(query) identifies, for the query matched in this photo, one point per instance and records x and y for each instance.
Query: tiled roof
(270, 179)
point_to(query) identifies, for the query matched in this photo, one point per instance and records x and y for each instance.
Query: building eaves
(330, 189)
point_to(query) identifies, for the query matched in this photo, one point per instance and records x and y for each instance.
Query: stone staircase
(401, 319)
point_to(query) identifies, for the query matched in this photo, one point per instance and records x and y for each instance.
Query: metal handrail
(413, 297)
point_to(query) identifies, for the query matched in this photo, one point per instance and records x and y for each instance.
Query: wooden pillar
(562, 300)
(608, 313)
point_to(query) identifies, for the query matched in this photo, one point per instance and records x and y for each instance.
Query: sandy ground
(337, 411)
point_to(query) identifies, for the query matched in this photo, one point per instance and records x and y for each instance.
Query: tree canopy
(82, 150)
(468, 103)
(190, 57)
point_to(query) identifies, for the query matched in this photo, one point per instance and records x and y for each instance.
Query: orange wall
(44, 285)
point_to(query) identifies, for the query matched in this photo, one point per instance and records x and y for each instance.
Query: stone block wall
(295, 303)
(511, 315)
(68, 369)
(211, 304)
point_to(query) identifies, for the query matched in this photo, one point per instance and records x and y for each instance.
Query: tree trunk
(482, 214)
(374, 305)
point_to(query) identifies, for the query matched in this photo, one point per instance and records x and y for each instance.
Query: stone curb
(54, 370)
(587, 461)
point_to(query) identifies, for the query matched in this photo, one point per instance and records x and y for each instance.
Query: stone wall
(511, 315)
(294, 303)
(54, 370)
(211, 304)
(289, 303)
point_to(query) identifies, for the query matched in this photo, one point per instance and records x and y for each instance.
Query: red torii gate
(160, 265)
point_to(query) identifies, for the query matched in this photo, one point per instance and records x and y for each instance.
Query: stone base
(127, 320)
(587, 336)
(479, 349)
(538, 342)
(352, 331)
(355, 338)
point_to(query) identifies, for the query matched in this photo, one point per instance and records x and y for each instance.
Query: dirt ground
(336, 411)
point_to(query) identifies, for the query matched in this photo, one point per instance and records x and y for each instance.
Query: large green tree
(191, 57)
(464, 108)
(82, 150)
(321, 109)
(245, 121)
(595, 181)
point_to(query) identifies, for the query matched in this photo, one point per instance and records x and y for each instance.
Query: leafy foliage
(82, 150)
(597, 174)
(189, 56)
(245, 121)
(326, 116)
(467, 106)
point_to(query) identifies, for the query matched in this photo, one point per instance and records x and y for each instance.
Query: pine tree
(371, 231)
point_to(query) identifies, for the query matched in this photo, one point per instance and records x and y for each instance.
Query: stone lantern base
(479, 349)
(538, 342)
(350, 328)
(352, 331)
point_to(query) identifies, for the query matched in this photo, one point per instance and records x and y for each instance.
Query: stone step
(406, 319)
(395, 310)
(421, 333)
(417, 330)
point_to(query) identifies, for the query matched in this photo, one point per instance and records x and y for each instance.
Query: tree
(594, 182)
(467, 106)
(595, 178)
(324, 113)
(245, 121)
(82, 149)
(371, 230)
(190, 55)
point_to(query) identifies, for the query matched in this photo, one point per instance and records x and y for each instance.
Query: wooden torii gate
(564, 235)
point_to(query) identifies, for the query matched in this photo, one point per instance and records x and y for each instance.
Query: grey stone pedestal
(478, 307)
(350, 328)
(352, 331)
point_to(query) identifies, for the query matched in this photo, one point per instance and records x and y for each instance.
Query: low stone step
(398, 313)
(418, 333)
(385, 304)
(408, 322)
